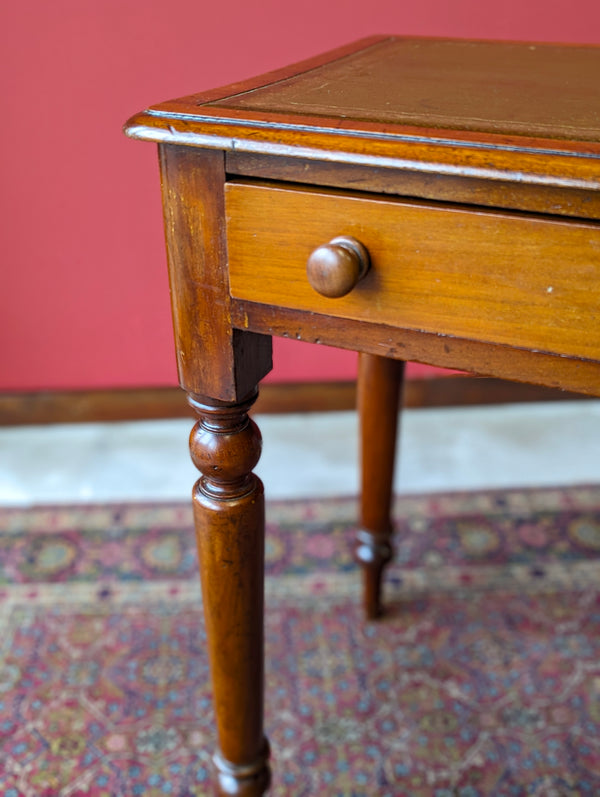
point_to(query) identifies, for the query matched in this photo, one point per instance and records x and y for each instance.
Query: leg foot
(249, 781)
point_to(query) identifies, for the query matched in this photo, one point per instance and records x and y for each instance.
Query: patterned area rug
(483, 678)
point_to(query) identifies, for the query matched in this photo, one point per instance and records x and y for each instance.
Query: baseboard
(169, 402)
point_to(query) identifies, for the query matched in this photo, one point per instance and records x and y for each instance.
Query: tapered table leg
(379, 384)
(229, 516)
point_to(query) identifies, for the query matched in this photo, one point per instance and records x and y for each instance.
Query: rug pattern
(482, 679)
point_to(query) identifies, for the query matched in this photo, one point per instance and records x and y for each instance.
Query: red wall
(84, 298)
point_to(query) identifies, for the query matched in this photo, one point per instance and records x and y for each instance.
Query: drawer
(516, 279)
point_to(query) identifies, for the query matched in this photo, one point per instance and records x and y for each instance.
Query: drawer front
(525, 281)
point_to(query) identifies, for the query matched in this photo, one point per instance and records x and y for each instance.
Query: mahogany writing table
(412, 199)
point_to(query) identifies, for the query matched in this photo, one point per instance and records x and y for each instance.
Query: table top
(488, 105)
(470, 166)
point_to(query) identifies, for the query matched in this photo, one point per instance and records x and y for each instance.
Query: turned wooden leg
(229, 515)
(379, 384)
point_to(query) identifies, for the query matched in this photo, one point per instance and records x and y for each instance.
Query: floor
(307, 455)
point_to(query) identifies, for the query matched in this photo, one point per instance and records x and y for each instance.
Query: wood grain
(212, 358)
(514, 279)
(485, 359)
(516, 195)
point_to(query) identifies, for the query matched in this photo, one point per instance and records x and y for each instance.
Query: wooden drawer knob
(334, 269)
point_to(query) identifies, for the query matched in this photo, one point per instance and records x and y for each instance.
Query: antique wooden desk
(412, 199)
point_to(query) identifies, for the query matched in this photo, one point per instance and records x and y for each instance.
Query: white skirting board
(308, 455)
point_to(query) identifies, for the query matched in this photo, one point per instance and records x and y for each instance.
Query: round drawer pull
(334, 269)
